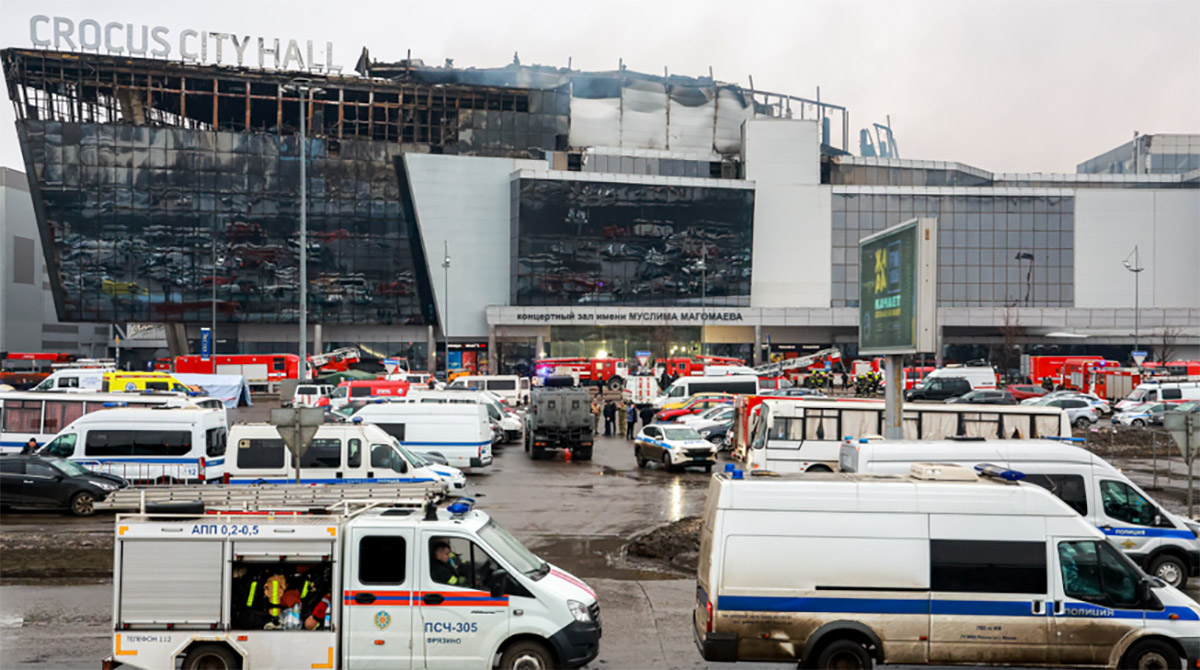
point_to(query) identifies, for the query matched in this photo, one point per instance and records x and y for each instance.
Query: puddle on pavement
(601, 558)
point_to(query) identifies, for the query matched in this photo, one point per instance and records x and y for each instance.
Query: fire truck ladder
(775, 369)
(267, 496)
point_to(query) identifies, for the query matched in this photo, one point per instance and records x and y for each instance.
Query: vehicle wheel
(615, 383)
(526, 656)
(1138, 423)
(211, 657)
(536, 454)
(83, 504)
(641, 461)
(819, 468)
(528, 441)
(845, 655)
(1170, 569)
(708, 468)
(1151, 655)
(667, 464)
(584, 454)
(1082, 422)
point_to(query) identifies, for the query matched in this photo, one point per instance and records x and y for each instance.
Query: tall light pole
(703, 295)
(304, 86)
(1136, 269)
(213, 280)
(446, 301)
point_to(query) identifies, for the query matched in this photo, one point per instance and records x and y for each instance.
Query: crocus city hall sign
(194, 46)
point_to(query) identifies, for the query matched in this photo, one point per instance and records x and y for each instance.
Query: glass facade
(144, 217)
(993, 251)
(602, 243)
(841, 174)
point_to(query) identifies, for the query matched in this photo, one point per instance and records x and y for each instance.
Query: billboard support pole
(893, 394)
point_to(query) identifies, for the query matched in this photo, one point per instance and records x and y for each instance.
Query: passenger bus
(805, 435)
(42, 415)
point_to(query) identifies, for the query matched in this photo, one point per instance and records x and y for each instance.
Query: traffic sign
(297, 426)
(1180, 424)
(206, 344)
(643, 357)
(1138, 357)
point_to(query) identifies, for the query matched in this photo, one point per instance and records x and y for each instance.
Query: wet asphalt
(578, 515)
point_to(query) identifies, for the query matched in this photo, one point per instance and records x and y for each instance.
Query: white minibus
(510, 422)
(147, 445)
(512, 389)
(804, 435)
(1161, 392)
(686, 387)
(40, 415)
(935, 567)
(340, 453)
(458, 432)
(1163, 544)
(74, 380)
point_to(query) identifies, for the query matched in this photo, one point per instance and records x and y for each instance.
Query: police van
(458, 432)
(938, 566)
(1165, 545)
(395, 585)
(510, 422)
(339, 453)
(144, 445)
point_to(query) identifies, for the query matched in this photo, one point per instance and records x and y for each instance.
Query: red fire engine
(610, 372)
(1038, 368)
(271, 368)
(23, 370)
(1079, 374)
(689, 367)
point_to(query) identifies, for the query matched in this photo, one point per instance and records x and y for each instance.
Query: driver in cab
(446, 568)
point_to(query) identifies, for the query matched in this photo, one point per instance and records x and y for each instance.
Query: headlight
(705, 433)
(106, 486)
(579, 611)
(1194, 527)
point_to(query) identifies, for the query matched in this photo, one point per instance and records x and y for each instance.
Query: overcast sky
(1005, 86)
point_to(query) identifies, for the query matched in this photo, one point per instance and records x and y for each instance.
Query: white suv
(312, 395)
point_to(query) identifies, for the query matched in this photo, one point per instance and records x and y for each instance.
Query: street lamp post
(304, 86)
(703, 296)
(213, 280)
(446, 301)
(1136, 269)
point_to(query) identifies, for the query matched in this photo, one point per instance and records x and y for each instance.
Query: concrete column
(937, 358)
(318, 340)
(758, 345)
(431, 357)
(539, 349)
(493, 361)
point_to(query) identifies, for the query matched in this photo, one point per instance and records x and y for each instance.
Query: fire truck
(610, 372)
(1038, 368)
(262, 371)
(691, 367)
(1080, 374)
(912, 375)
(25, 370)
(795, 368)
(338, 360)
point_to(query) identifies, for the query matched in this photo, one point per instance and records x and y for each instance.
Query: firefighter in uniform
(445, 568)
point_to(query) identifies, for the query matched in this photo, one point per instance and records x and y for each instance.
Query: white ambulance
(1165, 545)
(396, 586)
(938, 567)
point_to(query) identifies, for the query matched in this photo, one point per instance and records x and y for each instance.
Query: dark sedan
(985, 398)
(33, 481)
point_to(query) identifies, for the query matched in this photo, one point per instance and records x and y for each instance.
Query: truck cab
(405, 585)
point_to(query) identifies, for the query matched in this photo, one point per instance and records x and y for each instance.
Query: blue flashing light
(997, 472)
(862, 440)
(115, 404)
(461, 507)
(1066, 439)
(738, 474)
(730, 467)
(848, 438)
(380, 401)
(357, 419)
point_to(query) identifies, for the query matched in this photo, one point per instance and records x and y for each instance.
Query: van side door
(1098, 600)
(379, 598)
(988, 597)
(1129, 519)
(462, 625)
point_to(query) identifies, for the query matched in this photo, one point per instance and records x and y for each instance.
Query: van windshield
(511, 550)
(413, 457)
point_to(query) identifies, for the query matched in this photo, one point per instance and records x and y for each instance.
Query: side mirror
(1158, 519)
(499, 583)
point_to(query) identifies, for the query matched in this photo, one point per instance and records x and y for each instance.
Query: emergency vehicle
(1038, 368)
(640, 390)
(798, 367)
(692, 367)
(939, 566)
(359, 587)
(610, 372)
(1079, 374)
(262, 371)
(24, 370)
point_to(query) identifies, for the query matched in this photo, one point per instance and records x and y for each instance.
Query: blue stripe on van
(311, 480)
(1006, 608)
(1149, 532)
(137, 459)
(445, 444)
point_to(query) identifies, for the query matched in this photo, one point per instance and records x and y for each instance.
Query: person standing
(596, 411)
(610, 418)
(630, 420)
(647, 414)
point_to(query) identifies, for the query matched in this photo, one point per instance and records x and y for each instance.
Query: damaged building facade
(527, 210)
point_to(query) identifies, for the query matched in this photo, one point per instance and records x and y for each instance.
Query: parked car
(939, 388)
(796, 392)
(1025, 391)
(1079, 410)
(1145, 414)
(695, 405)
(985, 398)
(676, 447)
(33, 481)
(711, 416)
(312, 395)
(1101, 405)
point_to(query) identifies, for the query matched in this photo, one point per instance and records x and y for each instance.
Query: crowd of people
(614, 413)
